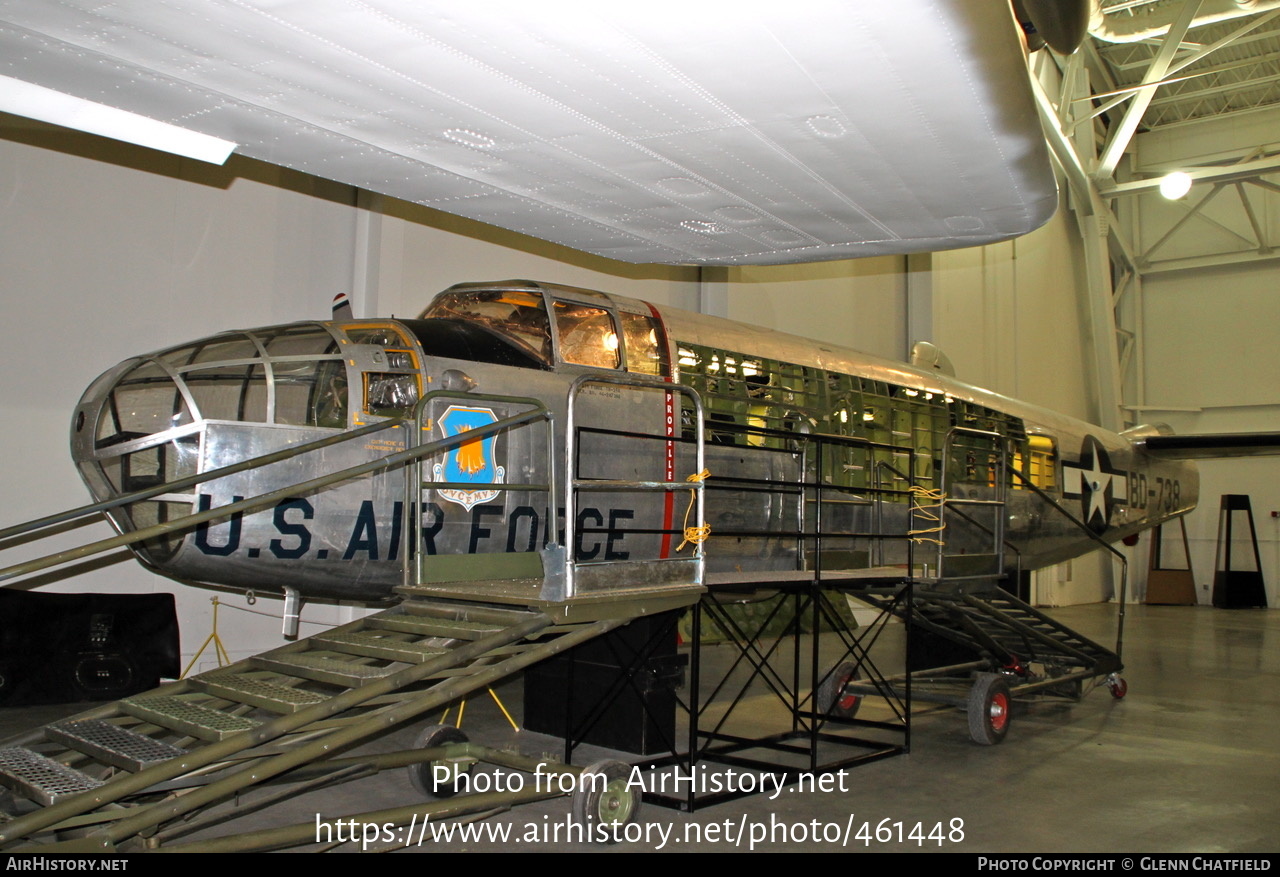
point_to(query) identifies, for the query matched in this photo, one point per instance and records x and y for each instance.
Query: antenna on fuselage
(928, 356)
(342, 307)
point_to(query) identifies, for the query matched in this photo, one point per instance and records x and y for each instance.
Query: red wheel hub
(999, 712)
(849, 701)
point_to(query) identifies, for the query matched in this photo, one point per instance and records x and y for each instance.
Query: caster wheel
(988, 709)
(423, 776)
(830, 698)
(602, 803)
(1119, 688)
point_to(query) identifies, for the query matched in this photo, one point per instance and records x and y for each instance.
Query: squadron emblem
(472, 461)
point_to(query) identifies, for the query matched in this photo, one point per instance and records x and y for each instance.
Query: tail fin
(342, 307)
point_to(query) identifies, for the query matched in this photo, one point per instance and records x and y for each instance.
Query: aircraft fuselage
(802, 438)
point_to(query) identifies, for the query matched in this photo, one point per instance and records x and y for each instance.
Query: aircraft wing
(1212, 447)
(662, 131)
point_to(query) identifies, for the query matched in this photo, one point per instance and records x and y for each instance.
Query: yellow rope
(694, 535)
(936, 499)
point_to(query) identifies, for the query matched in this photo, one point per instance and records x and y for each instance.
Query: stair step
(425, 625)
(112, 744)
(257, 692)
(373, 646)
(41, 779)
(332, 670)
(184, 716)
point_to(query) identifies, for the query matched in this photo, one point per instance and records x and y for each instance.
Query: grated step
(41, 779)
(322, 668)
(192, 719)
(424, 625)
(112, 744)
(271, 696)
(372, 646)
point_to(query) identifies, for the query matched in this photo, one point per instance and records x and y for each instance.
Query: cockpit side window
(394, 389)
(646, 352)
(587, 335)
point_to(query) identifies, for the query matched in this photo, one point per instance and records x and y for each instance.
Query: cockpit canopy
(558, 324)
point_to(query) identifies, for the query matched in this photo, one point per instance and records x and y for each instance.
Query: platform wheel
(603, 802)
(1119, 688)
(831, 700)
(1072, 689)
(423, 776)
(989, 709)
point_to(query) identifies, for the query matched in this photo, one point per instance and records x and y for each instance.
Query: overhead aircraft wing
(1211, 447)
(661, 131)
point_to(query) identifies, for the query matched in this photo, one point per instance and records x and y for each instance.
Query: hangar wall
(109, 251)
(1210, 341)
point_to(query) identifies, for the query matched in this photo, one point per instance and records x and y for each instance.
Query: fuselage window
(146, 401)
(300, 384)
(328, 404)
(309, 341)
(229, 392)
(587, 335)
(236, 347)
(311, 393)
(1039, 464)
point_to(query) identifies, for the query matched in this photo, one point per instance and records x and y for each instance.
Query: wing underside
(1210, 447)
(657, 132)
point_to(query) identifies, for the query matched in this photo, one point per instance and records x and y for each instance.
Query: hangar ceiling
(1186, 67)
(1240, 75)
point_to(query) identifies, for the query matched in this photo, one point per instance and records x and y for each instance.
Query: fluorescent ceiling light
(1173, 186)
(36, 102)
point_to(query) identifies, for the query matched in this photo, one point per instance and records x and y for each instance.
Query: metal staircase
(971, 643)
(112, 771)
(1002, 632)
(147, 771)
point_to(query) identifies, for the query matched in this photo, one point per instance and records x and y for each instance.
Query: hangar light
(1173, 186)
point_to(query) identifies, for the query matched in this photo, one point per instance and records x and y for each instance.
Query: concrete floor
(1187, 762)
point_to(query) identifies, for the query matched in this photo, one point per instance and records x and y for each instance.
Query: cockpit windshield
(518, 316)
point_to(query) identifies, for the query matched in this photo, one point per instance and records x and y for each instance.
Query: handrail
(961, 513)
(879, 506)
(1000, 488)
(1124, 561)
(566, 588)
(198, 478)
(266, 500)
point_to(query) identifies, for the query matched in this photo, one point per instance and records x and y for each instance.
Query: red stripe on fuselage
(669, 413)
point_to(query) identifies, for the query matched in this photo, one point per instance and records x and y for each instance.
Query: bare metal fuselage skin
(781, 411)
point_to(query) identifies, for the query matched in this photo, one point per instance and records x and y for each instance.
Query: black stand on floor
(1233, 588)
